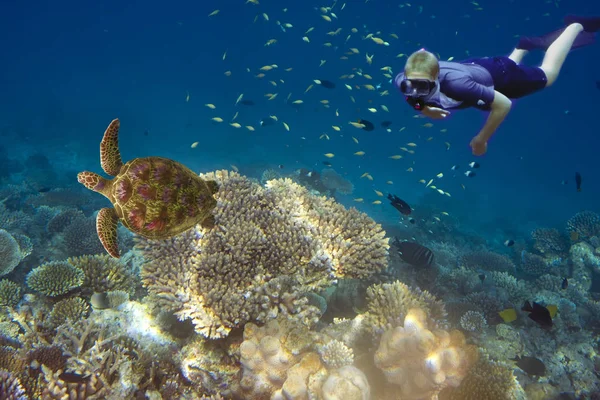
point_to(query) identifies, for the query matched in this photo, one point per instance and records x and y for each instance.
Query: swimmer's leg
(517, 55)
(544, 42)
(557, 52)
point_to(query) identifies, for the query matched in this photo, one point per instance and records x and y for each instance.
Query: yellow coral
(421, 362)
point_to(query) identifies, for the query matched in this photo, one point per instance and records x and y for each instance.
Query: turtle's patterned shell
(158, 198)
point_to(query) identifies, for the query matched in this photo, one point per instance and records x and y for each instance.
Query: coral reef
(270, 246)
(488, 261)
(533, 265)
(336, 354)
(549, 241)
(10, 253)
(389, 303)
(10, 293)
(473, 321)
(486, 380)
(55, 278)
(72, 309)
(335, 182)
(418, 362)
(585, 224)
(103, 273)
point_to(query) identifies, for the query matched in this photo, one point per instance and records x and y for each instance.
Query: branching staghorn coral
(417, 362)
(103, 273)
(55, 278)
(269, 247)
(533, 265)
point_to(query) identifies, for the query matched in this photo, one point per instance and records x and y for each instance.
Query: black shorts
(511, 79)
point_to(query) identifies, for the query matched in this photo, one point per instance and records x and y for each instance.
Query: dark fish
(368, 125)
(247, 102)
(564, 284)
(386, 124)
(482, 277)
(598, 85)
(327, 163)
(72, 377)
(578, 181)
(44, 189)
(280, 166)
(415, 254)
(146, 132)
(473, 164)
(470, 174)
(509, 243)
(411, 220)
(539, 314)
(399, 204)
(531, 365)
(327, 84)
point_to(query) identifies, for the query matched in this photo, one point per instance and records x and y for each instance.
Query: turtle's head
(94, 182)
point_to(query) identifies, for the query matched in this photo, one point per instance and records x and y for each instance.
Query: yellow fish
(509, 315)
(286, 126)
(329, 155)
(336, 128)
(411, 144)
(389, 182)
(250, 128)
(213, 13)
(324, 136)
(440, 175)
(373, 110)
(211, 106)
(217, 119)
(194, 145)
(396, 157)
(356, 124)
(359, 200)
(376, 202)
(355, 139)
(359, 153)
(378, 193)
(235, 125)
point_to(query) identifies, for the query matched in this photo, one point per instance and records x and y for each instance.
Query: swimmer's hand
(478, 145)
(435, 112)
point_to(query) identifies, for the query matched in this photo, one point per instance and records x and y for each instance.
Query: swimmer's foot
(590, 24)
(543, 42)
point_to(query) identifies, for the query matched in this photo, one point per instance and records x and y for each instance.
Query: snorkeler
(433, 87)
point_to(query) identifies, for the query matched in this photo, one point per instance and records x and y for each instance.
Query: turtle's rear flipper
(106, 226)
(110, 157)
(208, 222)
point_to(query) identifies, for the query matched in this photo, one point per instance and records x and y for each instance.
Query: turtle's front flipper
(95, 182)
(106, 226)
(110, 157)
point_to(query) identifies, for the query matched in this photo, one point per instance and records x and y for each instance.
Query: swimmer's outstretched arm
(498, 111)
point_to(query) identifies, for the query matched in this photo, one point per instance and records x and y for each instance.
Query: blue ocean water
(69, 68)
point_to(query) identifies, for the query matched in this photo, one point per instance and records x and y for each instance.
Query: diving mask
(417, 87)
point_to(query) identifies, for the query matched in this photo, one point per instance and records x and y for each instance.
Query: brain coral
(270, 245)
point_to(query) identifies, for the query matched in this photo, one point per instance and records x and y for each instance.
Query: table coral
(269, 247)
(10, 253)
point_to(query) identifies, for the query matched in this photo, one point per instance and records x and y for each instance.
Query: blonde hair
(424, 62)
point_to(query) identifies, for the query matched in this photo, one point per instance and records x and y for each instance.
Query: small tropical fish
(531, 365)
(509, 243)
(359, 153)
(539, 314)
(578, 181)
(399, 204)
(415, 254)
(470, 174)
(455, 167)
(329, 155)
(509, 315)
(368, 125)
(376, 202)
(326, 163)
(565, 284)
(72, 377)
(325, 83)
(473, 164)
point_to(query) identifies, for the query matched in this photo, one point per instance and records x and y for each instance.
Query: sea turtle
(154, 197)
